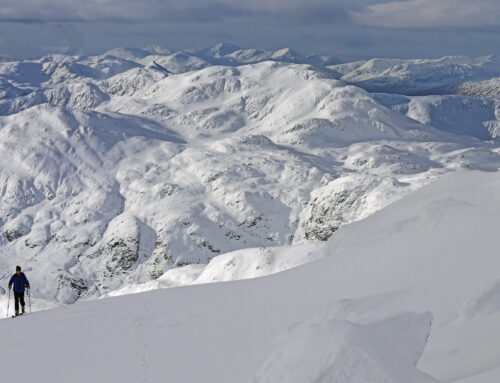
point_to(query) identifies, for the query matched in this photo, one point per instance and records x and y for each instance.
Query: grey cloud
(404, 14)
(431, 14)
(323, 11)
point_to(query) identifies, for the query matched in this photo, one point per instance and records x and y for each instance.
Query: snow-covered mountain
(419, 76)
(409, 294)
(219, 54)
(117, 169)
(484, 89)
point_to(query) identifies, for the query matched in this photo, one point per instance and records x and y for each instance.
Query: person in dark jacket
(20, 283)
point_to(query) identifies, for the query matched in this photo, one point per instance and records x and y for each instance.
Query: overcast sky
(348, 29)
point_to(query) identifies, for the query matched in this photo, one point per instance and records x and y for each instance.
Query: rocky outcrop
(342, 201)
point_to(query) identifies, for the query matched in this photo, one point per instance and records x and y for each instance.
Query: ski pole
(29, 298)
(8, 303)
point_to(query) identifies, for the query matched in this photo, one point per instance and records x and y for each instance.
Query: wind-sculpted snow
(329, 350)
(116, 169)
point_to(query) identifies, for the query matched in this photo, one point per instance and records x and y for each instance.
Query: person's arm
(11, 282)
(26, 282)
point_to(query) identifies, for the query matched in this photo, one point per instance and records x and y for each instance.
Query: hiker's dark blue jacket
(20, 282)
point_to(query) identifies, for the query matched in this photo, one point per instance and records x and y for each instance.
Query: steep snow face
(418, 77)
(142, 171)
(409, 294)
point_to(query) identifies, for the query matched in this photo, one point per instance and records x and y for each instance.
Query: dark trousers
(18, 297)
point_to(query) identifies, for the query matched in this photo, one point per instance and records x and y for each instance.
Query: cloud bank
(170, 10)
(431, 14)
(377, 13)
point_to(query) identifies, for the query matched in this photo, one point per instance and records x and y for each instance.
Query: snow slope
(405, 295)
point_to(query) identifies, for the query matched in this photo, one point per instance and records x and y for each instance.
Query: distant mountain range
(117, 168)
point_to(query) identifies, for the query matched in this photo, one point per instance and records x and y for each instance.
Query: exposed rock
(342, 201)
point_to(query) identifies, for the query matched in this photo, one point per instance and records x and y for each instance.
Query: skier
(20, 282)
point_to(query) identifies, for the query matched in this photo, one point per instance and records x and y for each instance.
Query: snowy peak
(288, 55)
(218, 54)
(218, 51)
(229, 54)
(128, 53)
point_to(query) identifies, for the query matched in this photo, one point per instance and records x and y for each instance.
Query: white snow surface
(408, 294)
(138, 168)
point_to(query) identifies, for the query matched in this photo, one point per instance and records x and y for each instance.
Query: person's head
(18, 270)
